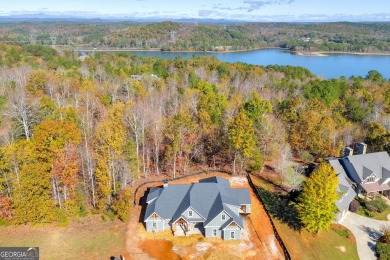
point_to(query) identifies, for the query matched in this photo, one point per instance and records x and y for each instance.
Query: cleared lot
(258, 240)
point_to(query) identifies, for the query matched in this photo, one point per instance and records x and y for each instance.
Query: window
(232, 234)
(370, 179)
(223, 217)
(214, 232)
(154, 225)
(190, 213)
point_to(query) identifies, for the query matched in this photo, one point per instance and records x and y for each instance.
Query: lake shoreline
(331, 66)
(159, 50)
(328, 53)
(299, 53)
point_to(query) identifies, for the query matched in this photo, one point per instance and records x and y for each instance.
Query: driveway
(366, 232)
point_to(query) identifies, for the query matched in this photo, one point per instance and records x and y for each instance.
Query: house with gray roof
(361, 173)
(210, 207)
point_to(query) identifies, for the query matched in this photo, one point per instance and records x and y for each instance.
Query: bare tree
(283, 161)
(88, 108)
(20, 107)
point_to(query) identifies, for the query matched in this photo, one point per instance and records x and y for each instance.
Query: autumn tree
(210, 105)
(6, 213)
(37, 82)
(65, 172)
(108, 145)
(180, 138)
(12, 159)
(241, 138)
(51, 137)
(318, 197)
(32, 200)
(378, 138)
(315, 131)
(88, 112)
(55, 148)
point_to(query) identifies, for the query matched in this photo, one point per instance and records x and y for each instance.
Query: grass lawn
(382, 216)
(376, 215)
(326, 245)
(88, 238)
(336, 243)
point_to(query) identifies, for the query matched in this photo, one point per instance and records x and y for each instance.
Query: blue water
(332, 66)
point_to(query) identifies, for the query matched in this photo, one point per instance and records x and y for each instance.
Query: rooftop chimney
(362, 148)
(348, 151)
(165, 182)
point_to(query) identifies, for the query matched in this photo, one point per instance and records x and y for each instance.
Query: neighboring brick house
(210, 207)
(362, 173)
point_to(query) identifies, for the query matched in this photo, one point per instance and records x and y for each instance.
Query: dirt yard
(258, 240)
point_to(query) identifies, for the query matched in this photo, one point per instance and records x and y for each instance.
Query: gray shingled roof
(345, 200)
(169, 200)
(153, 194)
(150, 209)
(363, 165)
(357, 168)
(241, 195)
(221, 181)
(237, 218)
(344, 181)
(344, 189)
(202, 197)
(208, 198)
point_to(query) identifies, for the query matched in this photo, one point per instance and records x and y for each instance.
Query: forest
(170, 36)
(77, 134)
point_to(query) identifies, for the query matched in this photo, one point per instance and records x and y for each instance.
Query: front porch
(184, 228)
(372, 190)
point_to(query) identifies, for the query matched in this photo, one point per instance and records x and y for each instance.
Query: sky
(247, 10)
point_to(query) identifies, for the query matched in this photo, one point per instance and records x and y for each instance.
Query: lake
(332, 66)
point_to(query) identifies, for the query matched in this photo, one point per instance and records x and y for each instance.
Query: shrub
(5, 209)
(306, 157)
(354, 206)
(256, 162)
(383, 251)
(385, 238)
(342, 233)
(83, 212)
(377, 205)
(121, 206)
(62, 216)
(3, 222)
(82, 209)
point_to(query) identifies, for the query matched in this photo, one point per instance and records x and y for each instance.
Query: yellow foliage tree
(108, 145)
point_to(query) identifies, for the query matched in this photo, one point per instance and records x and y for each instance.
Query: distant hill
(194, 35)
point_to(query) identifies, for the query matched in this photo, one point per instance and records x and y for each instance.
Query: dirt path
(132, 240)
(262, 228)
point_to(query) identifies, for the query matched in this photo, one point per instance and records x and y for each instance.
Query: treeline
(75, 135)
(168, 36)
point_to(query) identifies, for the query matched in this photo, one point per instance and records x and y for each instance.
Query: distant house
(210, 207)
(361, 173)
(140, 77)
